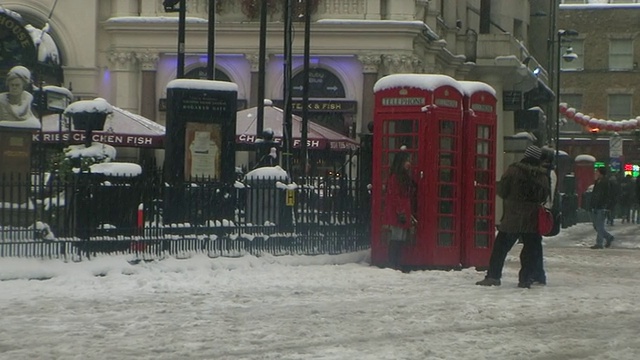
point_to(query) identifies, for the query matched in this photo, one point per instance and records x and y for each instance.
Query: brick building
(602, 82)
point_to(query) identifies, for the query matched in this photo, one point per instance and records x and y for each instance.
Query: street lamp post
(170, 6)
(568, 56)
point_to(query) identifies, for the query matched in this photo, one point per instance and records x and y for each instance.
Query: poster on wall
(202, 151)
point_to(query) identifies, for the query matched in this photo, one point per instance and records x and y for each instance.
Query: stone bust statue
(15, 104)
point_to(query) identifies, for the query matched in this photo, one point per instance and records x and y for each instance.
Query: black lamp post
(211, 42)
(287, 110)
(305, 89)
(262, 54)
(568, 56)
(170, 6)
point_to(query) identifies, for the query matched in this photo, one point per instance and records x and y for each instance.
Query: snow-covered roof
(96, 150)
(471, 87)
(202, 84)
(599, 4)
(585, 157)
(97, 105)
(153, 19)
(267, 172)
(428, 82)
(59, 90)
(116, 169)
(421, 24)
(525, 135)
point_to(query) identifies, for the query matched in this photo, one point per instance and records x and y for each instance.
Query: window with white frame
(620, 54)
(577, 47)
(620, 106)
(574, 101)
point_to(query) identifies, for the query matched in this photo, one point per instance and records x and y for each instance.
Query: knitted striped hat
(533, 152)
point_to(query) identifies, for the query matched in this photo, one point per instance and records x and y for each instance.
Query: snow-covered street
(324, 307)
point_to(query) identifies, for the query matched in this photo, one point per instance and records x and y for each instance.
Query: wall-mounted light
(569, 55)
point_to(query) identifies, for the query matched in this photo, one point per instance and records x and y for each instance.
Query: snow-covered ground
(324, 307)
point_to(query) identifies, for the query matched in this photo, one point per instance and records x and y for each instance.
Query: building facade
(126, 51)
(603, 81)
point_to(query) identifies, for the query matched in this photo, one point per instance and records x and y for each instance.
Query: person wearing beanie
(533, 152)
(522, 187)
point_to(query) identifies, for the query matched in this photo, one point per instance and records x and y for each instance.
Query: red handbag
(545, 221)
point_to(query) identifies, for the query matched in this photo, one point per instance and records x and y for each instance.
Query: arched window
(322, 84)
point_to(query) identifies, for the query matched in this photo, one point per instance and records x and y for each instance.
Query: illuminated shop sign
(632, 169)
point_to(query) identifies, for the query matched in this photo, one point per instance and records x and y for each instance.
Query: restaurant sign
(121, 140)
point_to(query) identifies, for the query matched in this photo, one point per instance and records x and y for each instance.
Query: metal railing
(93, 214)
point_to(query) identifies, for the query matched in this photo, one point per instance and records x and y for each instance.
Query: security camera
(569, 56)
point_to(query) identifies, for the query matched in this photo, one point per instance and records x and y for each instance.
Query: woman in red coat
(399, 196)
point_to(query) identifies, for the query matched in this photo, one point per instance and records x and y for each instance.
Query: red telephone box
(424, 114)
(584, 169)
(478, 173)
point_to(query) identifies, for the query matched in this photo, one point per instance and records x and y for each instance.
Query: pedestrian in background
(614, 192)
(627, 198)
(602, 202)
(523, 187)
(637, 202)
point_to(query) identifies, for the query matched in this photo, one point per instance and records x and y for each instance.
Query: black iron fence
(91, 214)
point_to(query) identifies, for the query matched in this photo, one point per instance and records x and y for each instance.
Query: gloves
(402, 218)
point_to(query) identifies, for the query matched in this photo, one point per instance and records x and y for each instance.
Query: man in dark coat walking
(523, 188)
(601, 204)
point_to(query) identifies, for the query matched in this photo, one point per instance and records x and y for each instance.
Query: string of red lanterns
(600, 124)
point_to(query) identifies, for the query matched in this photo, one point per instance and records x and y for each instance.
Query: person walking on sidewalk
(523, 187)
(601, 204)
(627, 198)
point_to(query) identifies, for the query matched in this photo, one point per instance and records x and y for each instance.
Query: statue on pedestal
(15, 104)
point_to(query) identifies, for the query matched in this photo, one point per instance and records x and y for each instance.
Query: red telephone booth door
(441, 135)
(396, 131)
(479, 174)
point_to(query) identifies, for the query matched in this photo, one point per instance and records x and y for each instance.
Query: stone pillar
(124, 89)
(370, 68)
(397, 63)
(253, 59)
(148, 103)
(148, 68)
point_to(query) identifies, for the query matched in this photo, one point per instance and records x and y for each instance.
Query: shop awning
(318, 137)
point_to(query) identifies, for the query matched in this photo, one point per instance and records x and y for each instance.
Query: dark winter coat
(627, 193)
(601, 195)
(523, 187)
